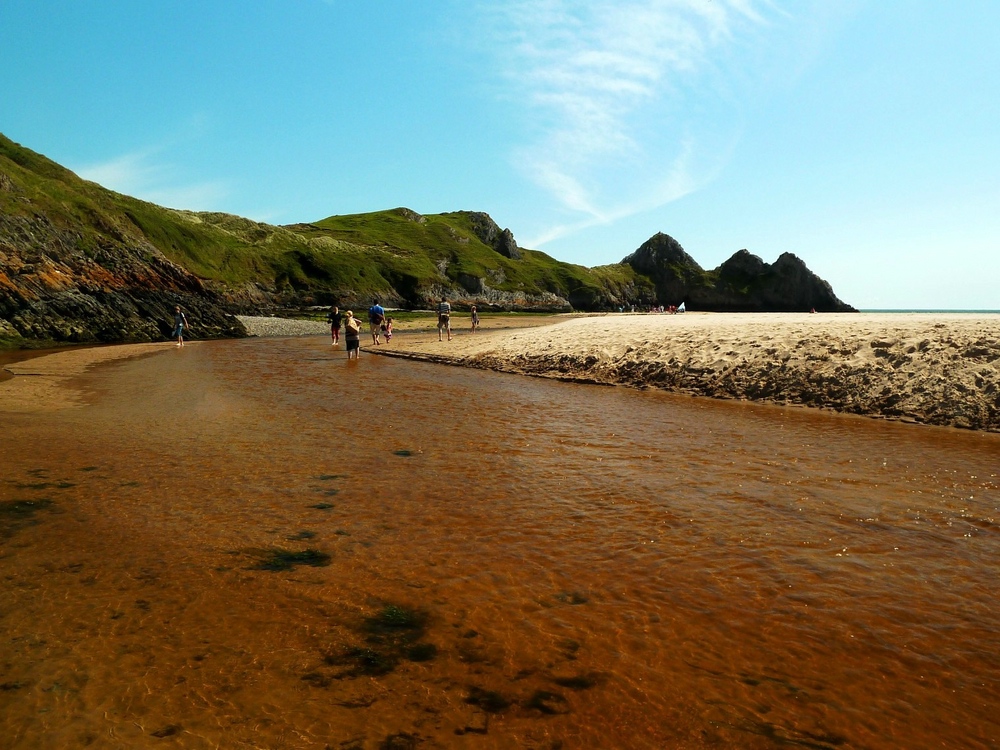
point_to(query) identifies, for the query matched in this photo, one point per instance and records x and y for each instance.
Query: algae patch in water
(22, 508)
(301, 536)
(403, 453)
(571, 597)
(322, 506)
(281, 559)
(17, 514)
(488, 700)
(421, 652)
(60, 485)
(395, 618)
(391, 635)
(366, 661)
(547, 702)
(401, 741)
(578, 682)
(168, 731)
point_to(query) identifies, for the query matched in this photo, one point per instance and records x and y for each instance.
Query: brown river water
(258, 544)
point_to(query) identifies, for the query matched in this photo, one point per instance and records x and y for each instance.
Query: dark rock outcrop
(674, 273)
(53, 289)
(744, 283)
(490, 233)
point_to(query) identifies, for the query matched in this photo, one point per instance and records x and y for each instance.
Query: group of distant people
(380, 325)
(670, 309)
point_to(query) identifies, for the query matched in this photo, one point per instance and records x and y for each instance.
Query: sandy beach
(933, 368)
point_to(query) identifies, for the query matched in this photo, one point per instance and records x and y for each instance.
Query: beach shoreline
(43, 383)
(930, 368)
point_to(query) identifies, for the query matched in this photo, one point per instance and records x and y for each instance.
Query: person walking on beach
(444, 318)
(352, 335)
(475, 318)
(376, 317)
(335, 319)
(387, 329)
(180, 323)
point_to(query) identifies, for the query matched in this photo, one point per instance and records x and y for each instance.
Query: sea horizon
(925, 310)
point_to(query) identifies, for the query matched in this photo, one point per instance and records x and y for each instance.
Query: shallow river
(257, 544)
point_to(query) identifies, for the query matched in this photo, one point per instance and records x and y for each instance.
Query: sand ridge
(934, 368)
(44, 383)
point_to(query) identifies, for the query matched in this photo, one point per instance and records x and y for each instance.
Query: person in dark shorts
(180, 323)
(376, 317)
(335, 319)
(352, 335)
(444, 318)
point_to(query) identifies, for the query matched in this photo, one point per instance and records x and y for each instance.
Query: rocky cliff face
(744, 283)
(52, 290)
(61, 283)
(490, 234)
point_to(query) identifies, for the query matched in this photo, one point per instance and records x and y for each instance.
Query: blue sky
(861, 135)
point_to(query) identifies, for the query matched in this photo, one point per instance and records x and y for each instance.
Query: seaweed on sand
(392, 634)
(17, 514)
(488, 700)
(282, 559)
(547, 702)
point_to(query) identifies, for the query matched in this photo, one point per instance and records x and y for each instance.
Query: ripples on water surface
(512, 563)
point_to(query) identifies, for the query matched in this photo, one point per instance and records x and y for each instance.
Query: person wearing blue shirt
(376, 317)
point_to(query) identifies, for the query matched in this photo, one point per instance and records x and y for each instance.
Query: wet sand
(934, 368)
(47, 383)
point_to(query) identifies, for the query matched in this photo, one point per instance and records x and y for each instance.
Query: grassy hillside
(397, 254)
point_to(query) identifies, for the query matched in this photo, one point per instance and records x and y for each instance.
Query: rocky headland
(79, 263)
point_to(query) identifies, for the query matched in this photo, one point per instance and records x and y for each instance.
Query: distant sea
(919, 310)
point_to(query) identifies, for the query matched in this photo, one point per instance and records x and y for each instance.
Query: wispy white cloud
(144, 174)
(614, 90)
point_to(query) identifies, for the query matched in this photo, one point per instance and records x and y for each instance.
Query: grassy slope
(361, 254)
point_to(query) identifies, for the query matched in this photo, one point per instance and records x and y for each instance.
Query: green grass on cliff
(355, 256)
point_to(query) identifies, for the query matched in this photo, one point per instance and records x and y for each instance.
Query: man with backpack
(376, 317)
(444, 318)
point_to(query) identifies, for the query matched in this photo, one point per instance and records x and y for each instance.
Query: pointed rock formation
(744, 283)
(490, 233)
